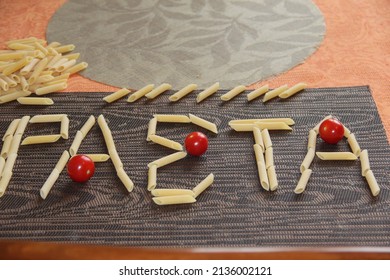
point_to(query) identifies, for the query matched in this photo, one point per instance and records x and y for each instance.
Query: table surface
(355, 52)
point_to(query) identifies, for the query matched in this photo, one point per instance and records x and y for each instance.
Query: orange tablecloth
(356, 49)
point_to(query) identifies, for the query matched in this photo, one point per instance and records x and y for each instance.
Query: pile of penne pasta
(31, 65)
(150, 92)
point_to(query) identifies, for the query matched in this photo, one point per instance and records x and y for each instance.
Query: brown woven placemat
(336, 209)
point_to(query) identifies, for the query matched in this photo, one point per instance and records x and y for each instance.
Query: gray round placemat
(133, 43)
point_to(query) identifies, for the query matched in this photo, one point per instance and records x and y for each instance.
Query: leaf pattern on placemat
(216, 34)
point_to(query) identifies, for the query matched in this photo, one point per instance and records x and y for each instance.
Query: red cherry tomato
(81, 168)
(196, 143)
(331, 131)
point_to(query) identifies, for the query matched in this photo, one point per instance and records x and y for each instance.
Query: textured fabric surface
(133, 43)
(336, 209)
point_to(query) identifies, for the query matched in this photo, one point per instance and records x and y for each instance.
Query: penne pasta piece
(168, 159)
(272, 178)
(65, 48)
(269, 157)
(115, 158)
(166, 142)
(353, 144)
(172, 118)
(183, 92)
(365, 162)
(20, 46)
(317, 127)
(263, 176)
(273, 125)
(106, 133)
(76, 143)
(88, 125)
(293, 90)
(27, 69)
(152, 177)
(35, 101)
(274, 93)
(17, 65)
(233, 93)
(176, 199)
(257, 92)
(41, 139)
(288, 121)
(202, 186)
(347, 132)
(14, 96)
(171, 192)
(62, 161)
(9, 163)
(372, 183)
(11, 128)
(151, 128)
(77, 68)
(308, 159)
(15, 78)
(207, 92)
(258, 153)
(336, 155)
(258, 138)
(203, 123)
(51, 89)
(11, 83)
(64, 131)
(266, 139)
(158, 90)
(37, 70)
(4, 181)
(98, 157)
(140, 93)
(116, 95)
(22, 125)
(15, 144)
(24, 83)
(47, 118)
(303, 180)
(6, 147)
(125, 179)
(49, 183)
(312, 141)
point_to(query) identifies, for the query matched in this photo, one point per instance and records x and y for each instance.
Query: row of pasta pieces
(12, 140)
(150, 92)
(356, 153)
(32, 65)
